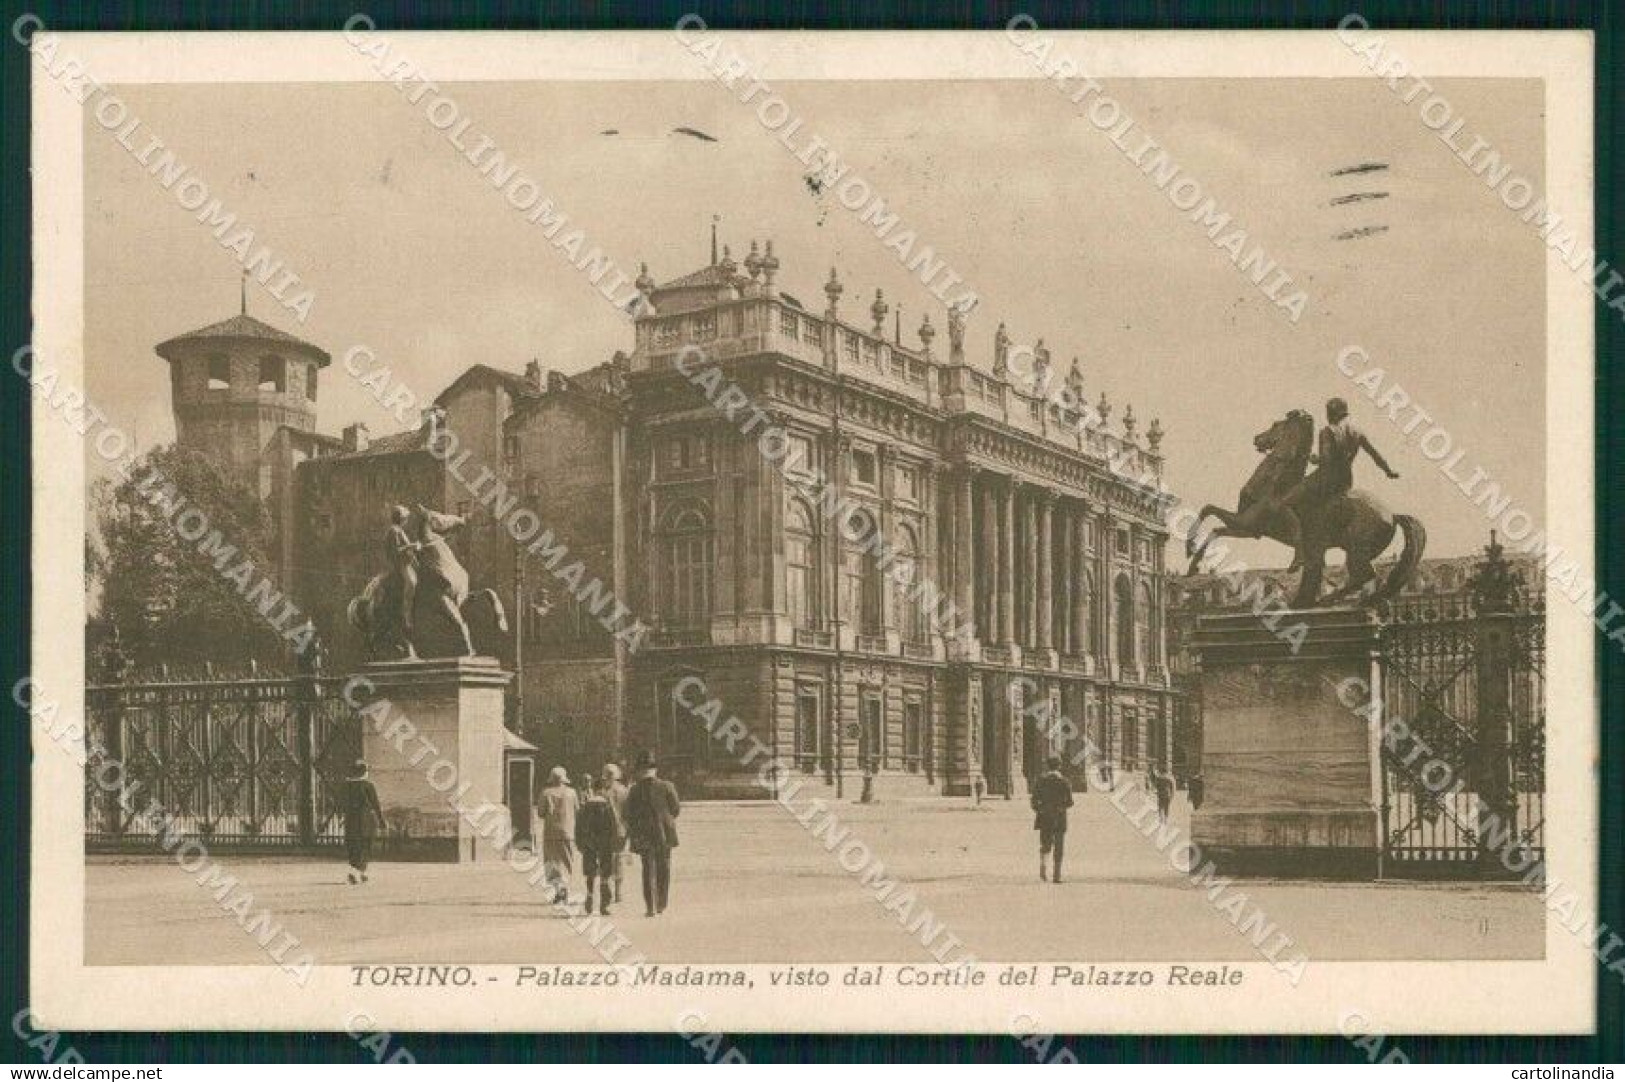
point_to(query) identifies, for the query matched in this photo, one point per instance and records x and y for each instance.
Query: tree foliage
(167, 598)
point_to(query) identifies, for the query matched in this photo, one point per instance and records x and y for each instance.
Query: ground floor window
(679, 735)
(809, 729)
(872, 743)
(1131, 740)
(913, 734)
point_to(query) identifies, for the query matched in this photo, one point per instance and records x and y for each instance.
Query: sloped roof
(711, 276)
(241, 328)
(413, 439)
(516, 384)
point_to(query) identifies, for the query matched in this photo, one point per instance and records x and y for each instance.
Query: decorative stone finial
(728, 266)
(1103, 408)
(878, 312)
(770, 266)
(1153, 435)
(927, 332)
(753, 262)
(833, 290)
(645, 283)
(1494, 585)
(1129, 423)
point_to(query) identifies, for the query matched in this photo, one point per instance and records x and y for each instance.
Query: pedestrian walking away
(1164, 786)
(1052, 796)
(557, 806)
(652, 808)
(595, 837)
(362, 814)
(617, 801)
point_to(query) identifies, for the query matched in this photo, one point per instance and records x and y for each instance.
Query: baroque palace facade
(751, 572)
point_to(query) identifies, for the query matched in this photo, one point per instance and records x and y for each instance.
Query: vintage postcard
(1017, 532)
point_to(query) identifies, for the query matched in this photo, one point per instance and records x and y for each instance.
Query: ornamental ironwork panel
(250, 762)
(1463, 743)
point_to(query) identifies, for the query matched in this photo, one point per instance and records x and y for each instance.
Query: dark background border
(15, 599)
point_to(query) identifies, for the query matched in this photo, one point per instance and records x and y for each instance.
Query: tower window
(273, 375)
(863, 468)
(219, 373)
(310, 382)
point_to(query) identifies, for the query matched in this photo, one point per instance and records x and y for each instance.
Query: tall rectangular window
(809, 729)
(219, 373)
(913, 734)
(872, 753)
(273, 375)
(863, 468)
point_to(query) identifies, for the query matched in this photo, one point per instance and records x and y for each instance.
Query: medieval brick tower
(244, 395)
(234, 386)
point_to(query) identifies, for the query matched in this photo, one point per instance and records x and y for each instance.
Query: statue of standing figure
(419, 561)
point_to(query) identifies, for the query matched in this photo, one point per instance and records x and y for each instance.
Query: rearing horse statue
(1357, 523)
(424, 562)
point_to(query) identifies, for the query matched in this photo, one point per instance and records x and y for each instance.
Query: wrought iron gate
(1464, 733)
(253, 762)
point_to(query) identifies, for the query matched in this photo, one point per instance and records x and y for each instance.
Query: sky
(412, 253)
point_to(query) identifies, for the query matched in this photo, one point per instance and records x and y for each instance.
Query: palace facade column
(1029, 584)
(1044, 610)
(1067, 585)
(1078, 567)
(964, 558)
(1007, 563)
(986, 598)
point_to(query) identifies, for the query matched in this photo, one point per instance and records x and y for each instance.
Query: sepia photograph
(1016, 531)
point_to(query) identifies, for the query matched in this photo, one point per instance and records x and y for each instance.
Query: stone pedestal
(436, 748)
(1291, 775)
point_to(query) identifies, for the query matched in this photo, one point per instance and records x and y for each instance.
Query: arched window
(801, 566)
(687, 550)
(905, 573)
(862, 602)
(1123, 619)
(1143, 655)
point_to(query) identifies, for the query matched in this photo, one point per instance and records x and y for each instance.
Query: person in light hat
(557, 807)
(616, 791)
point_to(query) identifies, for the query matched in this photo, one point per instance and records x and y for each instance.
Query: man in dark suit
(1052, 796)
(651, 825)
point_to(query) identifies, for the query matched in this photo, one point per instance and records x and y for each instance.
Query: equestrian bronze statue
(421, 565)
(1317, 512)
